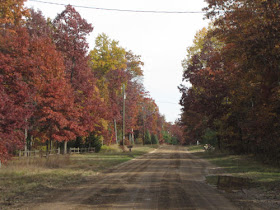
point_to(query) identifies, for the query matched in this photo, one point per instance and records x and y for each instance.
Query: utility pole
(25, 146)
(143, 109)
(25, 138)
(116, 132)
(124, 113)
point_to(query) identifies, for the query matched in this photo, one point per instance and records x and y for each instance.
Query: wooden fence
(81, 150)
(39, 153)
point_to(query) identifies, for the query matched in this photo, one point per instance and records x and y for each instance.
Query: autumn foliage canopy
(234, 69)
(54, 89)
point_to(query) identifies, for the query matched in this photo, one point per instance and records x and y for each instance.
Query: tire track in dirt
(202, 195)
(149, 193)
(129, 173)
(172, 190)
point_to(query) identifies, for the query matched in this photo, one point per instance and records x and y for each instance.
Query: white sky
(161, 39)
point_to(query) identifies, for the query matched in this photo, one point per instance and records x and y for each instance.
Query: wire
(124, 10)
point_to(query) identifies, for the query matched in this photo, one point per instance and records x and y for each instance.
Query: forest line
(234, 69)
(54, 90)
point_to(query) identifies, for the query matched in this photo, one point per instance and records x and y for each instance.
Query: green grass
(195, 148)
(246, 166)
(22, 179)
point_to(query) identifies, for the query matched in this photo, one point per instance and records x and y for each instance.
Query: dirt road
(167, 178)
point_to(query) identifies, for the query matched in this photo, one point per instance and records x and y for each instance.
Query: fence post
(58, 150)
(65, 148)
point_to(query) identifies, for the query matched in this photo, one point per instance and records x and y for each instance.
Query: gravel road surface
(167, 178)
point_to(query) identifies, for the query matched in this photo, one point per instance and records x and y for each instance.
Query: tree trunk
(51, 145)
(65, 148)
(47, 150)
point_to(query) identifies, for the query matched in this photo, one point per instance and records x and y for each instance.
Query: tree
(106, 56)
(15, 107)
(12, 13)
(114, 67)
(205, 102)
(52, 90)
(16, 91)
(154, 139)
(250, 31)
(147, 139)
(235, 79)
(37, 25)
(70, 32)
(134, 64)
(55, 114)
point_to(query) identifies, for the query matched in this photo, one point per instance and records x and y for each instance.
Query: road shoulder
(251, 195)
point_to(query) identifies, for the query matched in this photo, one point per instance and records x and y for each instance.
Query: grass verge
(33, 178)
(245, 166)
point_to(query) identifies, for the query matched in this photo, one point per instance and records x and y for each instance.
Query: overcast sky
(161, 39)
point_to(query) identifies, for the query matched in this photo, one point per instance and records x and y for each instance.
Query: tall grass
(52, 161)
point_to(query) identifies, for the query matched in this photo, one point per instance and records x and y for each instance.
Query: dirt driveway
(167, 178)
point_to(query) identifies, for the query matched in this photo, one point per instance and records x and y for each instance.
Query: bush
(169, 139)
(174, 141)
(209, 137)
(111, 148)
(147, 138)
(138, 141)
(154, 139)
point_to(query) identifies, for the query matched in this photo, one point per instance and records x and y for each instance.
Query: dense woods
(54, 90)
(234, 69)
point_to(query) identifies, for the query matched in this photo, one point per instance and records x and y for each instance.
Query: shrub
(154, 139)
(147, 138)
(111, 148)
(138, 141)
